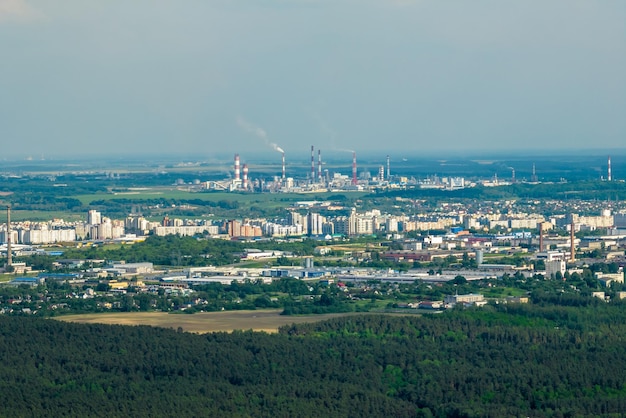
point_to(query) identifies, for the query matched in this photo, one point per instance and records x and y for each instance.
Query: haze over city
(80, 78)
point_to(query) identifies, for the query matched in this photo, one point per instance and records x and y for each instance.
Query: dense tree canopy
(506, 360)
(174, 250)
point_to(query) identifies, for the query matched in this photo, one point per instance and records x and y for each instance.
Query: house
(71, 264)
(471, 299)
(21, 268)
(115, 285)
(322, 250)
(133, 268)
(599, 295)
(607, 278)
(427, 304)
(517, 299)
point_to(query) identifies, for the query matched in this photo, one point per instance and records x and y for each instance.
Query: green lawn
(502, 292)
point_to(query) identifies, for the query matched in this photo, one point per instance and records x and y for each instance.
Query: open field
(261, 320)
(502, 292)
(5, 278)
(42, 215)
(255, 198)
(349, 247)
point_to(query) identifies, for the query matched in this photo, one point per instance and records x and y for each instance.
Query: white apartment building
(342, 225)
(278, 230)
(295, 218)
(94, 217)
(523, 223)
(391, 224)
(185, 230)
(315, 223)
(363, 226)
(47, 236)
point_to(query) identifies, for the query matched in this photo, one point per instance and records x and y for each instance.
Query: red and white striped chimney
(319, 165)
(354, 182)
(609, 172)
(312, 164)
(237, 167)
(245, 177)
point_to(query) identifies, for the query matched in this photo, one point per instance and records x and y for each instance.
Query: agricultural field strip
(203, 322)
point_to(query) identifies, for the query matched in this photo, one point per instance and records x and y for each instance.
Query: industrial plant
(319, 179)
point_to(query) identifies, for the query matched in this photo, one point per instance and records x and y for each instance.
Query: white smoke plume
(18, 11)
(258, 132)
(328, 131)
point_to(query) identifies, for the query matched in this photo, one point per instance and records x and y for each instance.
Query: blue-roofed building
(59, 276)
(311, 274)
(29, 281)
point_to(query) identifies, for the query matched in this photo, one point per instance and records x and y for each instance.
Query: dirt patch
(203, 322)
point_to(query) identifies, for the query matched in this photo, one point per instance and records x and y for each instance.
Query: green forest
(503, 360)
(174, 250)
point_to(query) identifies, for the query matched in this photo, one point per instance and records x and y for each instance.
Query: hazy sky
(207, 76)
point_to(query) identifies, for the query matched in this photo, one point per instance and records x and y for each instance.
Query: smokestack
(245, 177)
(572, 248)
(354, 182)
(236, 166)
(541, 236)
(609, 170)
(512, 175)
(9, 233)
(312, 164)
(283, 165)
(319, 165)
(388, 170)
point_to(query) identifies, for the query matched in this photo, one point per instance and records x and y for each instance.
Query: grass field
(256, 198)
(40, 215)
(500, 292)
(261, 320)
(5, 278)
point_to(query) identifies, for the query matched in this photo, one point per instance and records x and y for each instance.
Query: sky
(200, 77)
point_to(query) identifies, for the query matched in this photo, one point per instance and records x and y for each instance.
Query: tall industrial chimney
(312, 164)
(609, 170)
(572, 248)
(319, 165)
(245, 177)
(236, 166)
(354, 182)
(388, 170)
(541, 236)
(9, 233)
(283, 166)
